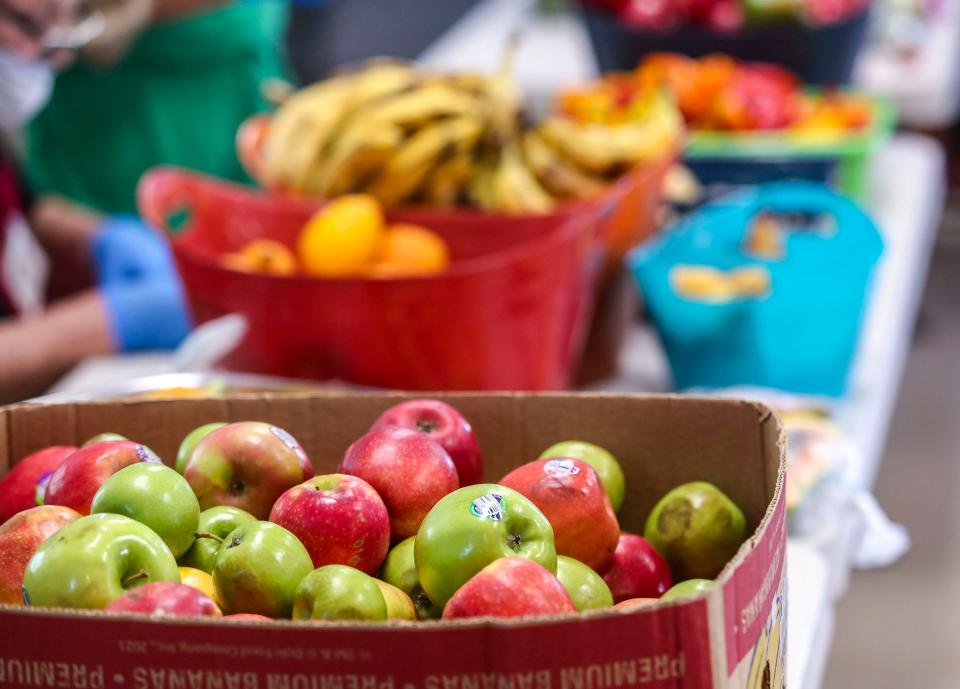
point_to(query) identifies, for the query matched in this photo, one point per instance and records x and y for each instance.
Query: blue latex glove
(140, 286)
(125, 249)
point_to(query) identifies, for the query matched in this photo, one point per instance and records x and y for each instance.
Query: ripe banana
(514, 189)
(503, 96)
(409, 166)
(557, 173)
(356, 155)
(601, 148)
(480, 186)
(380, 78)
(415, 107)
(300, 129)
(445, 184)
(303, 126)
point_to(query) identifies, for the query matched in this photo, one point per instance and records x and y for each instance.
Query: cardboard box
(733, 637)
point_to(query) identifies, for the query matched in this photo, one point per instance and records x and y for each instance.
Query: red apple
(510, 587)
(726, 15)
(247, 465)
(80, 476)
(166, 598)
(632, 603)
(409, 470)
(446, 426)
(653, 15)
(20, 536)
(18, 489)
(340, 519)
(571, 497)
(248, 617)
(638, 570)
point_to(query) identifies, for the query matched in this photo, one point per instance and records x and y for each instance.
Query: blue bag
(799, 334)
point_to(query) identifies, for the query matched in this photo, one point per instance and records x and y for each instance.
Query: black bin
(819, 55)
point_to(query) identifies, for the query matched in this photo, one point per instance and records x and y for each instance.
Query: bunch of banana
(608, 149)
(407, 136)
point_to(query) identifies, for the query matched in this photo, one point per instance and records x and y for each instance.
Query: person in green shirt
(168, 83)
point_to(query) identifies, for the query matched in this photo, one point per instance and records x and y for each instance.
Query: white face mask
(24, 89)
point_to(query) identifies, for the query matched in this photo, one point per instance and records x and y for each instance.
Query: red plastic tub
(510, 314)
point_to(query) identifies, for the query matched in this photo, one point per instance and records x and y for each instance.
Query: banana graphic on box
(767, 667)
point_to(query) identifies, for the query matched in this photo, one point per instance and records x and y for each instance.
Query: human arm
(65, 230)
(138, 305)
(39, 349)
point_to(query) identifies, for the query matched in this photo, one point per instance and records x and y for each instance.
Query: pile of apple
(242, 528)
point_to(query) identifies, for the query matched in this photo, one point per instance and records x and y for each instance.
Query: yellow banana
(379, 79)
(557, 173)
(503, 96)
(355, 156)
(600, 148)
(515, 189)
(415, 107)
(474, 83)
(300, 129)
(304, 125)
(480, 186)
(445, 183)
(409, 166)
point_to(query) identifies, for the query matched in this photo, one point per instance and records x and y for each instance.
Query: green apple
(339, 592)
(191, 440)
(604, 463)
(690, 587)
(94, 560)
(258, 568)
(215, 524)
(155, 495)
(587, 588)
(473, 526)
(100, 437)
(697, 529)
(399, 570)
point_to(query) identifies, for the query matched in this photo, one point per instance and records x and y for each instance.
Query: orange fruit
(340, 239)
(409, 251)
(264, 256)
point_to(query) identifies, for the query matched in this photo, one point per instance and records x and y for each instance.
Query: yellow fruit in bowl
(264, 256)
(340, 239)
(407, 250)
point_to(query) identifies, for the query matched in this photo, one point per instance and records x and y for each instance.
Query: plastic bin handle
(810, 197)
(162, 192)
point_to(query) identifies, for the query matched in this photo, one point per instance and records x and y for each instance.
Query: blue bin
(800, 335)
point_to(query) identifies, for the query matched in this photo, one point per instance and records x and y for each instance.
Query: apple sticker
(42, 486)
(288, 440)
(560, 467)
(145, 454)
(489, 506)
